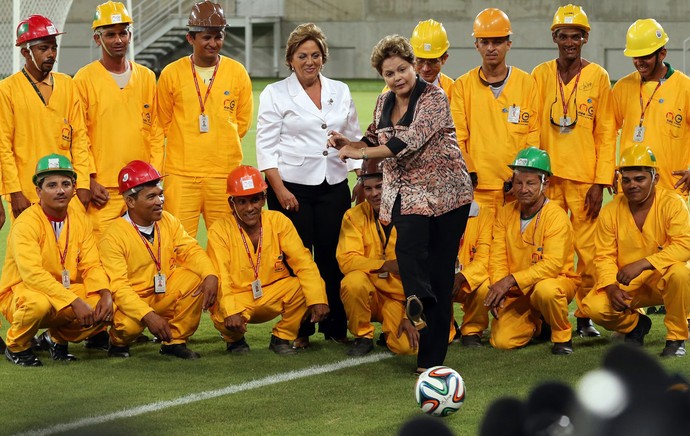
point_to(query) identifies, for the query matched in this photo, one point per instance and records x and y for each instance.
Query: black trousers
(426, 249)
(318, 221)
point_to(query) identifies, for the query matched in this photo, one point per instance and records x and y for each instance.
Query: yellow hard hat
(491, 23)
(110, 13)
(638, 155)
(644, 37)
(429, 40)
(570, 16)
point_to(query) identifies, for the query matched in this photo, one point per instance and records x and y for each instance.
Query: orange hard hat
(245, 180)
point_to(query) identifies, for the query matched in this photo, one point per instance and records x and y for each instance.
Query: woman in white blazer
(307, 181)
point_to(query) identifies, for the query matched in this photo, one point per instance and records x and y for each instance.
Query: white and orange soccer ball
(440, 391)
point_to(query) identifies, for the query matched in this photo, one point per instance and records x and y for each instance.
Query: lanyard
(156, 230)
(34, 86)
(258, 251)
(383, 236)
(202, 104)
(63, 254)
(643, 107)
(574, 91)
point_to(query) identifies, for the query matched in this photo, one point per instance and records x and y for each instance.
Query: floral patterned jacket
(427, 170)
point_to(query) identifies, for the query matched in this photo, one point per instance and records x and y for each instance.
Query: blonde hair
(301, 34)
(388, 47)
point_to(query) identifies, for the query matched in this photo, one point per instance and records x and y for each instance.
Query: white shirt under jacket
(291, 132)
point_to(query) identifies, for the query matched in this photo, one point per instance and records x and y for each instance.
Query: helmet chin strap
(33, 60)
(651, 186)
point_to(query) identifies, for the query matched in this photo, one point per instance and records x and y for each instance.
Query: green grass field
(191, 397)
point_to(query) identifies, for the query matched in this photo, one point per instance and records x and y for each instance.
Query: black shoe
(651, 310)
(414, 309)
(674, 349)
(23, 358)
(38, 343)
(471, 340)
(238, 347)
(562, 348)
(99, 341)
(281, 346)
(381, 342)
(361, 347)
(545, 333)
(2, 346)
(636, 335)
(58, 352)
(142, 339)
(585, 328)
(115, 351)
(179, 350)
(301, 343)
(661, 310)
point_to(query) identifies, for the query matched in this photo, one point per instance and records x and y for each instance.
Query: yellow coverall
(122, 125)
(666, 121)
(540, 260)
(485, 133)
(31, 286)
(473, 263)
(196, 163)
(131, 270)
(366, 296)
(665, 242)
(582, 156)
(283, 294)
(30, 130)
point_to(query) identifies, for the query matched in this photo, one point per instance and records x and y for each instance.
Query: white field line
(207, 395)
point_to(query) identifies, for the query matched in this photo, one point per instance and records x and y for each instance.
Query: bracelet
(364, 153)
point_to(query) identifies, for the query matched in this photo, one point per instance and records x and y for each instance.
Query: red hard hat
(35, 27)
(245, 180)
(136, 173)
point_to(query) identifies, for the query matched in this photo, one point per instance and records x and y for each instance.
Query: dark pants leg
(318, 221)
(426, 249)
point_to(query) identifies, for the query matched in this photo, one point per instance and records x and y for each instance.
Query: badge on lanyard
(565, 124)
(257, 292)
(638, 134)
(514, 114)
(159, 283)
(203, 123)
(383, 275)
(65, 278)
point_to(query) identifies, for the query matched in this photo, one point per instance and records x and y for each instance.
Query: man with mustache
(642, 249)
(38, 93)
(205, 107)
(252, 249)
(52, 277)
(163, 277)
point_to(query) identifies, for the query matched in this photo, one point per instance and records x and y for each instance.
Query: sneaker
(471, 340)
(674, 349)
(57, 351)
(99, 341)
(414, 309)
(562, 348)
(636, 335)
(585, 328)
(115, 351)
(238, 347)
(361, 347)
(179, 350)
(301, 343)
(281, 346)
(23, 358)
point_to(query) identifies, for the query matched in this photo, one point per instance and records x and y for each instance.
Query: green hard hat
(534, 158)
(53, 164)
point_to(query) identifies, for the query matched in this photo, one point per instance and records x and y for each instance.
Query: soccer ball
(440, 391)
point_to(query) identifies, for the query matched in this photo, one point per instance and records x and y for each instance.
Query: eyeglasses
(427, 62)
(569, 125)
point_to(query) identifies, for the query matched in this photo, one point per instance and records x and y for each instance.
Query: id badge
(65, 278)
(159, 283)
(203, 123)
(383, 275)
(638, 135)
(514, 114)
(256, 289)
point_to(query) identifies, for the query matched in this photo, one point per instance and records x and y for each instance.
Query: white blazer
(291, 131)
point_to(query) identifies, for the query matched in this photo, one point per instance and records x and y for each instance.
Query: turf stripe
(207, 395)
